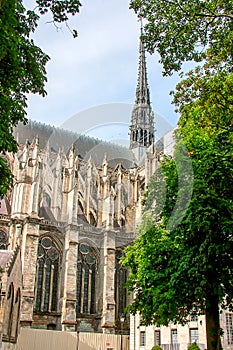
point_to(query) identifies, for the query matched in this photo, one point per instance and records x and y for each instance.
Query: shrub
(156, 347)
(193, 346)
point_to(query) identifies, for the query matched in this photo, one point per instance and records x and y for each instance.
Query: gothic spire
(142, 118)
(142, 91)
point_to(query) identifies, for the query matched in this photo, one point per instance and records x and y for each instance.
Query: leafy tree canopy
(186, 268)
(180, 30)
(22, 66)
(181, 263)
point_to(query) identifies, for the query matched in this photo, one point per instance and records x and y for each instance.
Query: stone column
(70, 261)
(108, 318)
(29, 246)
(34, 200)
(15, 233)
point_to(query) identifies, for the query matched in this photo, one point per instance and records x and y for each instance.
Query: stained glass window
(48, 259)
(86, 271)
(120, 280)
(10, 298)
(3, 240)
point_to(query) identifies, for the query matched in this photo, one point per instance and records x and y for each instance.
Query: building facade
(71, 221)
(70, 216)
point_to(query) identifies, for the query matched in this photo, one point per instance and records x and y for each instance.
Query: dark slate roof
(85, 146)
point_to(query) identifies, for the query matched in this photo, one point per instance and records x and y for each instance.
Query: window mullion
(43, 287)
(89, 289)
(82, 293)
(51, 287)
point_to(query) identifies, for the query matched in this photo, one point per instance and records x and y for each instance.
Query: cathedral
(65, 223)
(74, 206)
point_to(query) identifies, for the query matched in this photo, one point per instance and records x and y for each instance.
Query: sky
(97, 72)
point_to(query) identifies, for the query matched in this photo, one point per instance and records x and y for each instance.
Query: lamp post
(77, 343)
(122, 319)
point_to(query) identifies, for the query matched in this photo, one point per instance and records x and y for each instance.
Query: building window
(92, 220)
(17, 303)
(86, 279)
(194, 337)
(229, 326)
(48, 262)
(120, 280)
(193, 318)
(142, 338)
(3, 241)
(174, 339)
(10, 299)
(157, 337)
(47, 200)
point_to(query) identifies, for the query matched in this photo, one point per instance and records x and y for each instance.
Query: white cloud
(98, 67)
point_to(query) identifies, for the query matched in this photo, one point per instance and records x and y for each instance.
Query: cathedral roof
(53, 139)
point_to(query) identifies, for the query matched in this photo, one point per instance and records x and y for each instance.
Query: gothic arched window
(92, 219)
(80, 208)
(17, 304)
(48, 261)
(3, 240)
(10, 299)
(150, 138)
(120, 280)
(47, 200)
(145, 138)
(86, 279)
(133, 136)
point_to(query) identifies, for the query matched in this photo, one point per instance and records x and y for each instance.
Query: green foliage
(161, 193)
(193, 347)
(60, 10)
(22, 67)
(5, 176)
(181, 266)
(180, 30)
(185, 268)
(156, 347)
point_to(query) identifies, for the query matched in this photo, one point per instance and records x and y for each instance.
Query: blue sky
(98, 68)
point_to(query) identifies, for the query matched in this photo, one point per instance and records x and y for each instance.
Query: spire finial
(142, 118)
(142, 91)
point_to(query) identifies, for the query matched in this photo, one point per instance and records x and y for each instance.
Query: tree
(22, 67)
(183, 266)
(186, 268)
(181, 30)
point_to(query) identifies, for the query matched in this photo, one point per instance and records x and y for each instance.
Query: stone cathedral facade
(65, 224)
